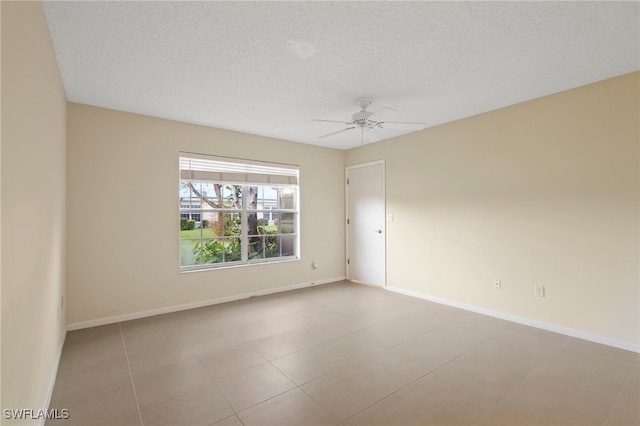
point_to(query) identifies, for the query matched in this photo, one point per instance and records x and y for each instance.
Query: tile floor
(340, 354)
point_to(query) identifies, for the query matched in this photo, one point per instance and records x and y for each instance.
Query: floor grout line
(213, 381)
(491, 336)
(135, 393)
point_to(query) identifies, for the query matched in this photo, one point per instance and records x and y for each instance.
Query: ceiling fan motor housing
(361, 116)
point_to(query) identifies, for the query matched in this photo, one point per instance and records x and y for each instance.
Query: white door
(365, 223)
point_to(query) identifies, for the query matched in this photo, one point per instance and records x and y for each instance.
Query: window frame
(289, 239)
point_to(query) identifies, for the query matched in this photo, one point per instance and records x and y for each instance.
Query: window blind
(234, 170)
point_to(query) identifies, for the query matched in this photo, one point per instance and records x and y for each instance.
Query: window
(236, 212)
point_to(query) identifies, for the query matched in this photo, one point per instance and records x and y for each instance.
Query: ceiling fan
(362, 120)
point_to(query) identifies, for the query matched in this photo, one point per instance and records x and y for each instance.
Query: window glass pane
(208, 224)
(269, 222)
(186, 188)
(187, 196)
(261, 196)
(256, 248)
(189, 224)
(233, 250)
(252, 223)
(220, 250)
(223, 223)
(216, 223)
(287, 245)
(265, 247)
(252, 197)
(271, 246)
(207, 195)
(286, 197)
(211, 251)
(232, 195)
(287, 223)
(183, 190)
(270, 199)
(189, 254)
(207, 203)
(231, 223)
(188, 229)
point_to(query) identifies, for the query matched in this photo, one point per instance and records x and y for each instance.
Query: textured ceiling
(269, 68)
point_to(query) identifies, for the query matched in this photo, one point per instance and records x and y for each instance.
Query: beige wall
(545, 192)
(33, 207)
(123, 260)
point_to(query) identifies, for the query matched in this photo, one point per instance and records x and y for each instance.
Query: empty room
(320, 213)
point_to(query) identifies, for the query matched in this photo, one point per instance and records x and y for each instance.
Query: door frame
(384, 217)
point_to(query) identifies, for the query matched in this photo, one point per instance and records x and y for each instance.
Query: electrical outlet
(539, 291)
(314, 264)
(497, 284)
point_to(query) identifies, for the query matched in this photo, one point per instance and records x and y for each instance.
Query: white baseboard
(522, 320)
(192, 305)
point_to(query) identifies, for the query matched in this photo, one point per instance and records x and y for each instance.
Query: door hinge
(348, 262)
(347, 181)
(347, 221)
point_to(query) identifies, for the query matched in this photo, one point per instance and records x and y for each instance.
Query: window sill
(203, 268)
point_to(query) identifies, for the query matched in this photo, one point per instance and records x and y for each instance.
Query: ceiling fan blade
(410, 125)
(383, 109)
(373, 135)
(329, 121)
(335, 133)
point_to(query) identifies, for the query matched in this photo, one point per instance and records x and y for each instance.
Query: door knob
(378, 231)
